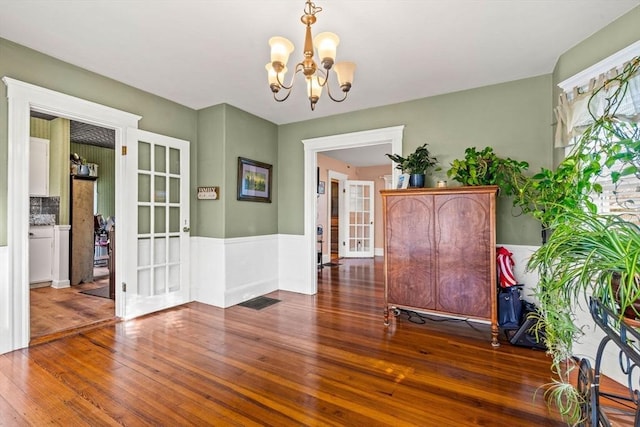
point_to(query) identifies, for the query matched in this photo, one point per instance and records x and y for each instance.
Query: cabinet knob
(186, 229)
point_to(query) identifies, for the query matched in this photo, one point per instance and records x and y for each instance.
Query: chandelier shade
(326, 44)
(281, 48)
(316, 77)
(273, 76)
(345, 72)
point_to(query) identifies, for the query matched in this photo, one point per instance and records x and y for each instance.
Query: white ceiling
(201, 53)
(373, 155)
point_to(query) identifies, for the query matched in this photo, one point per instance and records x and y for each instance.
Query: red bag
(505, 263)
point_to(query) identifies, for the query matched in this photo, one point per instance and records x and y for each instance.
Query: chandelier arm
(299, 67)
(334, 99)
(325, 75)
(329, 91)
(288, 91)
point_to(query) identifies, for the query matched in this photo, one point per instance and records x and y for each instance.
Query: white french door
(157, 181)
(358, 219)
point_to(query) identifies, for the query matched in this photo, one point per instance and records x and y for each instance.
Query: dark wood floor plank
(213, 378)
(39, 398)
(324, 359)
(60, 311)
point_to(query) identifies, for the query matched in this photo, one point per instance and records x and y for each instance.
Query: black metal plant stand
(627, 339)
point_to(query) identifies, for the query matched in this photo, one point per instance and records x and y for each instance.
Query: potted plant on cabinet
(486, 168)
(585, 249)
(416, 164)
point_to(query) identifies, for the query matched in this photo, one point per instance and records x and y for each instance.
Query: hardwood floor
(323, 359)
(58, 312)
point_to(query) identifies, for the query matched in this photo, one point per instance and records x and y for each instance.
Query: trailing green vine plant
(606, 141)
(585, 249)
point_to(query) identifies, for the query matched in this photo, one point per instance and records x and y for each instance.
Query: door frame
(22, 98)
(340, 177)
(313, 146)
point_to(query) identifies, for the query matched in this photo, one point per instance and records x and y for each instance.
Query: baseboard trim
(61, 284)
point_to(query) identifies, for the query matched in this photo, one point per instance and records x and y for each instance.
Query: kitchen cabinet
(40, 254)
(38, 167)
(439, 246)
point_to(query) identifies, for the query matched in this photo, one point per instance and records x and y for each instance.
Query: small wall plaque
(208, 193)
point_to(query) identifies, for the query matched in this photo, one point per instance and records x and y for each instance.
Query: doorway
(83, 293)
(390, 135)
(22, 98)
(153, 249)
(334, 221)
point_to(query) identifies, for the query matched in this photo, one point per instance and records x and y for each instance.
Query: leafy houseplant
(486, 168)
(417, 164)
(586, 250)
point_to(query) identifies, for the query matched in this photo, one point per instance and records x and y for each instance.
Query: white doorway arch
(313, 146)
(22, 98)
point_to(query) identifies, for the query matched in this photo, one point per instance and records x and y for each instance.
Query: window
(621, 198)
(575, 111)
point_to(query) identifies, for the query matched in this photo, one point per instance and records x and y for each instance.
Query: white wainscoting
(587, 345)
(207, 270)
(252, 267)
(521, 255)
(225, 272)
(5, 303)
(292, 265)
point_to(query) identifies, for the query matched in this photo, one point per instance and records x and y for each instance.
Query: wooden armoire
(439, 246)
(82, 244)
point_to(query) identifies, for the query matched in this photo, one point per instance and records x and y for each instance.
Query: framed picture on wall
(254, 181)
(320, 187)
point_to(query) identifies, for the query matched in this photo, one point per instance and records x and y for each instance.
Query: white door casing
(157, 271)
(313, 146)
(22, 98)
(14, 293)
(357, 219)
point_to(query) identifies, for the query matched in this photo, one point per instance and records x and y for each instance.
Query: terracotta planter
(630, 313)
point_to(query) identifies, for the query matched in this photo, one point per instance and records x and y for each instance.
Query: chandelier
(315, 77)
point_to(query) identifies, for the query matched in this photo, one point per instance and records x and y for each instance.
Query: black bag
(509, 307)
(525, 336)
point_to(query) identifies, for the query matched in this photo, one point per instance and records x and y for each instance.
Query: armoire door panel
(462, 243)
(410, 272)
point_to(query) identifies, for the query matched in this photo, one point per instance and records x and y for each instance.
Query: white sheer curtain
(576, 109)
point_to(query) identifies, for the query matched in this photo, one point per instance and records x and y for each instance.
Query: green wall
(616, 36)
(514, 118)
(105, 159)
(158, 114)
(254, 138)
(60, 149)
(210, 154)
(57, 131)
(224, 134)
